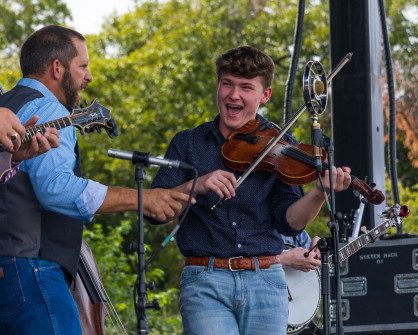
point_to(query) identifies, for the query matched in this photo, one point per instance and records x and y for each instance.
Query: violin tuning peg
(372, 185)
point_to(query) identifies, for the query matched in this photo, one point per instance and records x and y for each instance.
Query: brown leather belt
(235, 263)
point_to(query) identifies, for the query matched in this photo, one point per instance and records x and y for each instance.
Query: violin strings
(299, 155)
(113, 315)
(304, 157)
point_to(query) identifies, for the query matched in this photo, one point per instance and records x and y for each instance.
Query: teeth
(234, 106)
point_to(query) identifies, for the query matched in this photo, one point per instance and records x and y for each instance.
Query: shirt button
(239, 245)
(234, 223)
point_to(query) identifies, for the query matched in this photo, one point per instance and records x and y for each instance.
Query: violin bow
(276, 139)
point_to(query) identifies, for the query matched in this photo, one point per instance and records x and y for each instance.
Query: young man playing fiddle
(233, 282)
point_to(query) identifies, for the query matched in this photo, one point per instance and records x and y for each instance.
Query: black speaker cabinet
(379, 289)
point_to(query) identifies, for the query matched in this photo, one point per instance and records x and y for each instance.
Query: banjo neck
(355, 245)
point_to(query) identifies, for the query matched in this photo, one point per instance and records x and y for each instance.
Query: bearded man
(43, 207)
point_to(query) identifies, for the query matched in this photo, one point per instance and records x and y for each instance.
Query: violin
(292, 163)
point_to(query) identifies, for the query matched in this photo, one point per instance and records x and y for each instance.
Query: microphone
(318, 87)
(316, 139)
(147, 159)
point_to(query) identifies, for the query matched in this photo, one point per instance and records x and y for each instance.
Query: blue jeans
(222, 302)
(35, 299)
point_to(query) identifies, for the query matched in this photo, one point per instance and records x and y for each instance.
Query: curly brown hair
(247, 62)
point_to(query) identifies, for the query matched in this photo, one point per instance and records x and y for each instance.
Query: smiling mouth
(234, 109)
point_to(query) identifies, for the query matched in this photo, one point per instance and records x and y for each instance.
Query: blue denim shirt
(302, 240)
(248, 224)
(51, 174)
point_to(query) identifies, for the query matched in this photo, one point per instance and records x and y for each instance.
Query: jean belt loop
(32, 262)
(256, 264)
(210, 265)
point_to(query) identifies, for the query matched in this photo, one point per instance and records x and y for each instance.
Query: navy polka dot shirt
(248, 224)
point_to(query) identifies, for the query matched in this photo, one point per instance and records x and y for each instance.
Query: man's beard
(70, 90)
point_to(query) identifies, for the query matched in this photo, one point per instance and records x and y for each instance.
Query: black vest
(26, 229)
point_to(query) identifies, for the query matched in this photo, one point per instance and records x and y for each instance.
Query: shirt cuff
(91, 199)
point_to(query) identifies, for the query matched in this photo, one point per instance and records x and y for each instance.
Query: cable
(392, 111)
(297, 40)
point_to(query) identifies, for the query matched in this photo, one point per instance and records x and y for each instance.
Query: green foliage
(19, 18)
(408, 197)
(401, 19)
(115, 267)
(154, 69)
(119, 272)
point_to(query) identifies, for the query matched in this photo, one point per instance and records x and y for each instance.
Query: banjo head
(304, 290)
(304, 294)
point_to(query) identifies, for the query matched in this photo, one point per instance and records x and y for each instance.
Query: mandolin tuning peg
(81, 132)
(86, 103)
(112, 131)
(98, 129)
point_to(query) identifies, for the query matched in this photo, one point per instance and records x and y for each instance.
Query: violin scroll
(373, 196)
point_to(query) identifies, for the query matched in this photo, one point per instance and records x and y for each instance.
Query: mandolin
(88, 119)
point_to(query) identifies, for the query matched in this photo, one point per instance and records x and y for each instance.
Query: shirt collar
(37, 85)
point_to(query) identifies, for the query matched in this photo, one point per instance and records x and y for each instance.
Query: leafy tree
(154, 69)
(19, 18)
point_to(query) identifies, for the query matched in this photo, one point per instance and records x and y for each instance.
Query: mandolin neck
(41, 128)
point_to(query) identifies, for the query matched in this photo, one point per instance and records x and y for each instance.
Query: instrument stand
(140, 298)
(358, 215)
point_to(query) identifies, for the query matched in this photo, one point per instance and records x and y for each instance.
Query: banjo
(304, 288)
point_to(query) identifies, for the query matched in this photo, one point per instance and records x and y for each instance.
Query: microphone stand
(141, 159)
(325, 245)
(140, 285)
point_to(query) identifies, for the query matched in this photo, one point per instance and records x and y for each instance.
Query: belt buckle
(229, 263)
